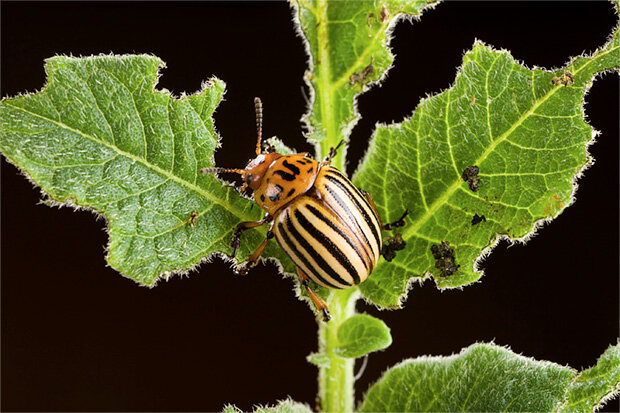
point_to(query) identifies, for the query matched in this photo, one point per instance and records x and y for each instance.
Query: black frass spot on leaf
(470, 175)
(193, 217)
(362, 75)
(565, 79)
(392, 244)
(478, 219)
(444, 258)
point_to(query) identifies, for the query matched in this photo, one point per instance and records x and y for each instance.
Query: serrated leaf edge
(49, 201)
(477, 265)
(609, 396)
(454, 356)
(277, 405)
(389, 35)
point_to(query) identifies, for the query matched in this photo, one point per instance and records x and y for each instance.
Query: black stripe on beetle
(332, 248)
(348, 212)
(327, 269)
(291, 192)
(338, 231)
(339, 174)
(295, 252)
(346, 189)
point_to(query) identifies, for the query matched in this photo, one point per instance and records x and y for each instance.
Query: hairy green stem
(336, 379)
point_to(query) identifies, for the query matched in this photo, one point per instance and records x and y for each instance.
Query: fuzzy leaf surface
(595, 384)
(347, 41)
(526, 135)
(100, 136)
(362, 334)
(483, 377)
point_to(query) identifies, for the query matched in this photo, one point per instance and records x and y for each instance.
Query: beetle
(329, 228)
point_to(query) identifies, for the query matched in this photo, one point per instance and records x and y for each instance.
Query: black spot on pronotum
(262, 197)
(301, 161)
(279, 188)
(392, 244)
(274, 197)
(470, 175)
(444, 258)
(310, 170)
(285, 175)
(291, 192)
(294, 169)
(478, 219)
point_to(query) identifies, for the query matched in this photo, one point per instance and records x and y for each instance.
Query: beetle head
(255, 170)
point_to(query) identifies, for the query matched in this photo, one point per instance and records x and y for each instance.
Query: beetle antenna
(258, 106)
(218, 169)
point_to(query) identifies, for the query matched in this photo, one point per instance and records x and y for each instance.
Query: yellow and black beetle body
(329, 228)
(331, 233)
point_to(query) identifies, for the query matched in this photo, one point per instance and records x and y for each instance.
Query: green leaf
(347, 42)
(280, 146)
(486, 377)
(285, 406)
(595, 385)
(483, 377)
(319, 359)
(523, 129)
(362, 334)
(100, 136)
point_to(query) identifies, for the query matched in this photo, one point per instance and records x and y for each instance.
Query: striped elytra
(332, 233)
(328, 227)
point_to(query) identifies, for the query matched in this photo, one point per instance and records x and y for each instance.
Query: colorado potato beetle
(329, 228)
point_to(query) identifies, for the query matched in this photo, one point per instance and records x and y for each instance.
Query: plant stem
(336, 380)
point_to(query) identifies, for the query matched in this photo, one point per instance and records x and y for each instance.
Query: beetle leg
(332, 153)
(395, 243)
(252, 260)
(372, 204)
(400, 222)
(242, 226)
(318, 302)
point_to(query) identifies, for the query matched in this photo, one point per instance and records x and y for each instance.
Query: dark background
(78, 336)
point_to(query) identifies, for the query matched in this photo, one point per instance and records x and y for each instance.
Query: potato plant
(491, 158)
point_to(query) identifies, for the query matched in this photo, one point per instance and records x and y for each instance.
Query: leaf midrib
(229, 207)
(323, 85)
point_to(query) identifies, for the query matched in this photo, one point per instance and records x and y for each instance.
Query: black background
(78, 336)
